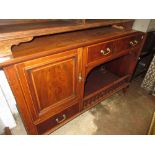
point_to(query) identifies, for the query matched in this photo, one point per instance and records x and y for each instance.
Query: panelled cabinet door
(50, 84)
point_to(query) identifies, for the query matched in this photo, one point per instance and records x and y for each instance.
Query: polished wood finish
(27, 28)
(5, 45)
(12, 22)
(58, 119)
(18, 30)
(114, 46)
(55, 78)
(13, 80)
(103, 78)
(61, 42)
(52, 81)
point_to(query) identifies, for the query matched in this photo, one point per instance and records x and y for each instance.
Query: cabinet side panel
(17, 91)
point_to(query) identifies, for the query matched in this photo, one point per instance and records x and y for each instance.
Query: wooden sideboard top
(13, 29)
(14, 32)
(45, 45)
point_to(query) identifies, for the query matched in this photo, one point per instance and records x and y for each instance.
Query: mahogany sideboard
(57, 76)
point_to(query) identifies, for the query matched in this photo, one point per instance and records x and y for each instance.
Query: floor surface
(120, 114)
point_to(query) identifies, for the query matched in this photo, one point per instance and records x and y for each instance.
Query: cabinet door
(50, 84)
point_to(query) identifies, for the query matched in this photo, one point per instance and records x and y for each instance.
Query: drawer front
(57, 119)
(107, 49)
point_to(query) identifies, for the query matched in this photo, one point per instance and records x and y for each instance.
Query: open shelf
(98, 79)
(102, 82)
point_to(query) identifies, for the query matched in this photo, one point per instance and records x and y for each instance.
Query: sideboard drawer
(99, 51)
(106, 49)
(57, 119)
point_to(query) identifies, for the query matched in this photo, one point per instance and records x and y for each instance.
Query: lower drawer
(57, 119)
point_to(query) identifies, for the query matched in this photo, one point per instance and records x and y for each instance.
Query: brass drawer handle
(60, 121)
(136, 42)
(133, 43)
(105, 52)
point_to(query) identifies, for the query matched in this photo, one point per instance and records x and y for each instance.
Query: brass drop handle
(133, 43)
(105, 52)
(60, 121)
(136, 42)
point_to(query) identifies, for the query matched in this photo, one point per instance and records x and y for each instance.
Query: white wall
(145, 25)
(6, 117)
(1, 127)
(141, 24)
(151, 26)
(7, 104)
(7, 93)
